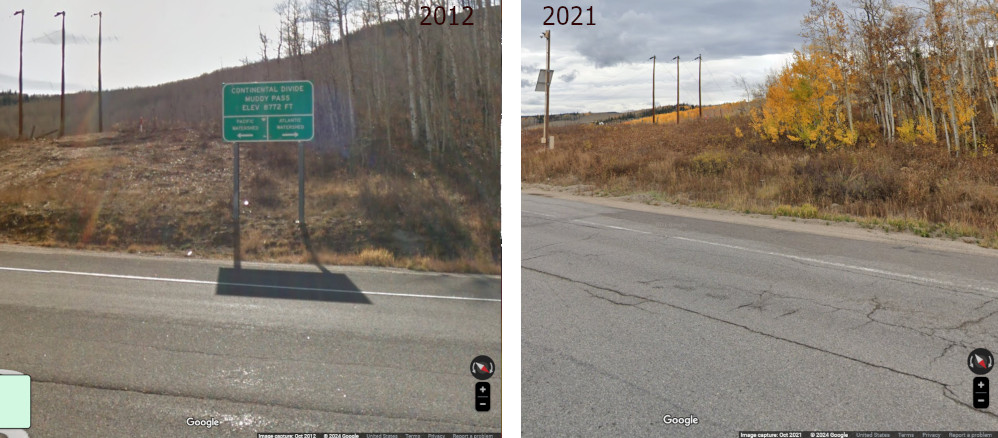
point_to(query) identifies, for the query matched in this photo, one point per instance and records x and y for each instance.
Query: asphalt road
(118, 345)
(629, 316)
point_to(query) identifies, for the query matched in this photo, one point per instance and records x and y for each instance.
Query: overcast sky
(597, 68)
(145, 43)
(605, 67)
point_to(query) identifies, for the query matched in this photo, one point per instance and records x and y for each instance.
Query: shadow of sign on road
(316, 286)
(311, 251)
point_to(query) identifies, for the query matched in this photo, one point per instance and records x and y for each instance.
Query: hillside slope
(171, 193)
(397, 175)
(721, 163)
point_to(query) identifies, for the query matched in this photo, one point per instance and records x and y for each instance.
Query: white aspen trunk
(410, 75)
(952, 117)
(341, 12)
(424, 104)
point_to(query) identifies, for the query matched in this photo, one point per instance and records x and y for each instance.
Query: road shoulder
(844, 230)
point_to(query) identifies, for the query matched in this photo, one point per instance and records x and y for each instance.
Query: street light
(20, 81)
(677, 88)
(100, 96)
(699, 88)
(547, 86)
(62, 99)
(653, 120)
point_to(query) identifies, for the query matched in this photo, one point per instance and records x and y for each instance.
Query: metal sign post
(265, 112)
(235, 204)
(301, 183)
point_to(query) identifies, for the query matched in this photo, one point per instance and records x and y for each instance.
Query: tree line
(882, 71)
(433, 86)
(10, 98)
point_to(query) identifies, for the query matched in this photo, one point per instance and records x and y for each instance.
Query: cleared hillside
(397, 175)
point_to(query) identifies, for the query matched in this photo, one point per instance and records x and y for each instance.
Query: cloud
(525, 83)
(631, 31)
(569, 77)
(535, 100)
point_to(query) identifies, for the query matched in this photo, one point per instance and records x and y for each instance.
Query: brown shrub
(707, 163)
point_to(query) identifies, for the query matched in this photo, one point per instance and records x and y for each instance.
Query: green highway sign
(245, 128)
(290, 128)
(267, 111)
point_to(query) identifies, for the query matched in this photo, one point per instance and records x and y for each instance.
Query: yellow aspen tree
(801, 106)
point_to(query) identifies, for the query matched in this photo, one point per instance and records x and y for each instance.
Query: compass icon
(482, 367)
(980, 361)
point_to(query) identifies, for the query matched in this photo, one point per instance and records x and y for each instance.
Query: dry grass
(171, 192)
(376, 257)
(713, 163)
(386, 258)
(692, 113)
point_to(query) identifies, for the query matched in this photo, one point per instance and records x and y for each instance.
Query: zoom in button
(981, 390)
(483, 395)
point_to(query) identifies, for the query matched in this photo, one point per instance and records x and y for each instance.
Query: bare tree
(341, 8)
(263, 42)
(403, 9)
(292, 27)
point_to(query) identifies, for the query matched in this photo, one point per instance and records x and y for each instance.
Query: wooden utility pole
(677, 88)
(653, 121)
(100, 94)
(700, 90)
(547, 86)
(20, 81)
(62, 99)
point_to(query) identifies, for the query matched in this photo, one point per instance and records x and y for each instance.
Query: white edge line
(841, 265)
(628, 229)
(536, 213)
(589, 223)
(207, 282)
(811, 260)
(609, 226)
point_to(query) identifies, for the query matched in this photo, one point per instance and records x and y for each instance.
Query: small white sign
(542, 80)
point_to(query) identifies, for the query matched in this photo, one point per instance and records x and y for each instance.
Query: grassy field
(691, 113)
(721, 163)
(170, 192)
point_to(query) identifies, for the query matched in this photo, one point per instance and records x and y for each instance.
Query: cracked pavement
(744, 327)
